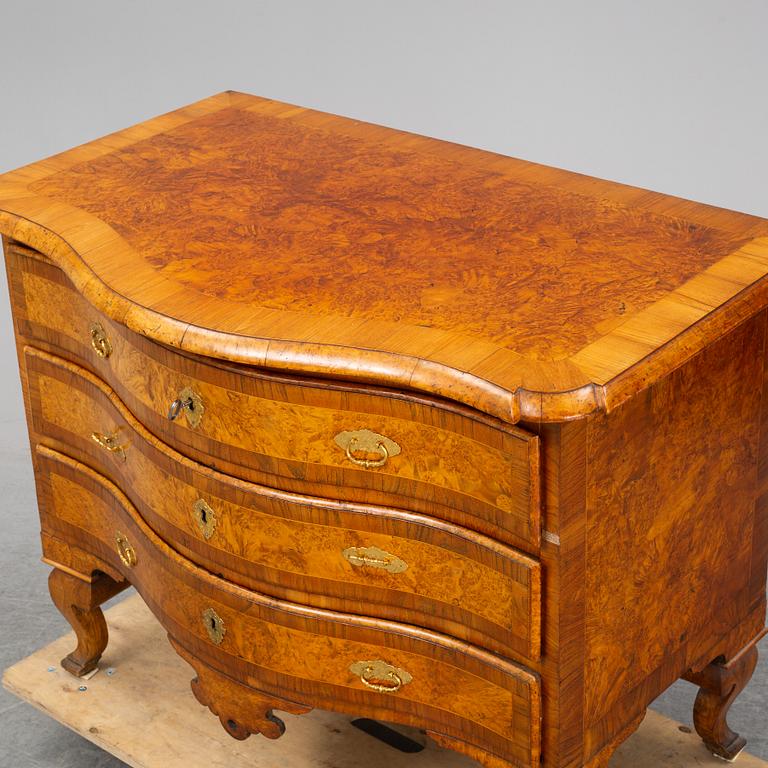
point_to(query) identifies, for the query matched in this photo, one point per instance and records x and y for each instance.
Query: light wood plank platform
(139, 707)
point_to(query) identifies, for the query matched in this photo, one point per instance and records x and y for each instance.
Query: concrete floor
(28, 739)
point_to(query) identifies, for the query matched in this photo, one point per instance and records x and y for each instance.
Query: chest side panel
(672, 484)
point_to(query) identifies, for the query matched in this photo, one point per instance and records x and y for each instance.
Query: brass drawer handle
(100, 341)
(374, 557)
(380, 676)
(205, 518)
(366, 442)
(125, 550)
(191, 404)
(110, 443)
(214, 626)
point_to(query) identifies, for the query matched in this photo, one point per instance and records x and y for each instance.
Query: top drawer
(328, 438)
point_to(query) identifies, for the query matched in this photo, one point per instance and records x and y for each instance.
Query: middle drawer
(337, 555)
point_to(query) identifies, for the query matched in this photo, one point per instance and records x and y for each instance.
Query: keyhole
(203, 516)
(214, 626)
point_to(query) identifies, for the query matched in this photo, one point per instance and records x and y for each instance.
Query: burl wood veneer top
(263, 233)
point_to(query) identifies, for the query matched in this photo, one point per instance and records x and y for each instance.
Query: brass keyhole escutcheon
(205, 517)
(214, 626)
(100, 341)
(124, 549)
(190, 404)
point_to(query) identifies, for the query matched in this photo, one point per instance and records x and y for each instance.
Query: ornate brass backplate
(110, 442)
(100, 341)
(373, 557)
(214, 626)
(191, 404)
(380, 676)
(124, 549)
(367, 443)
(205, 518)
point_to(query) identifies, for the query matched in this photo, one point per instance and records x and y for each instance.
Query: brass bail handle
(367, 463)
(373, 557)
(392, 687)
(367, 442)
(380, 676)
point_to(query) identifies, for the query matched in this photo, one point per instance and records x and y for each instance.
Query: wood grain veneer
(293, 545)
(454, 463)
(297, 652)
(408, 194)
(574, 371)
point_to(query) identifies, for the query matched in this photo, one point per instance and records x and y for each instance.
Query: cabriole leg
(78, 601)
(720, 683)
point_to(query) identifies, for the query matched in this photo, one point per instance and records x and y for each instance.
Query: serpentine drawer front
(396, 427)
(401, 673)
(386, 562)
(378, 448)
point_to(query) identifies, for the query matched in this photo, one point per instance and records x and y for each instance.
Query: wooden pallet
(139, 707)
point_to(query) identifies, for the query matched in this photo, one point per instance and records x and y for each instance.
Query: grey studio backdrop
(666, 94)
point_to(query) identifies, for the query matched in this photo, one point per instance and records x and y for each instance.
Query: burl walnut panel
(441, 244)
(574, 372)
(282, 432)
(650, 531)
(265, 233)
(292, 545)
(670, 534)
(299, 654)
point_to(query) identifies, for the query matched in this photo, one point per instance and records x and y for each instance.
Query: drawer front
(327, 439)
(309, 656)
(344, 556)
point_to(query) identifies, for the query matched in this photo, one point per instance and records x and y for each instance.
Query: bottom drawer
(311, 657)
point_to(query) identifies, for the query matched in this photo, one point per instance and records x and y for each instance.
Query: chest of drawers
(395, 427)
